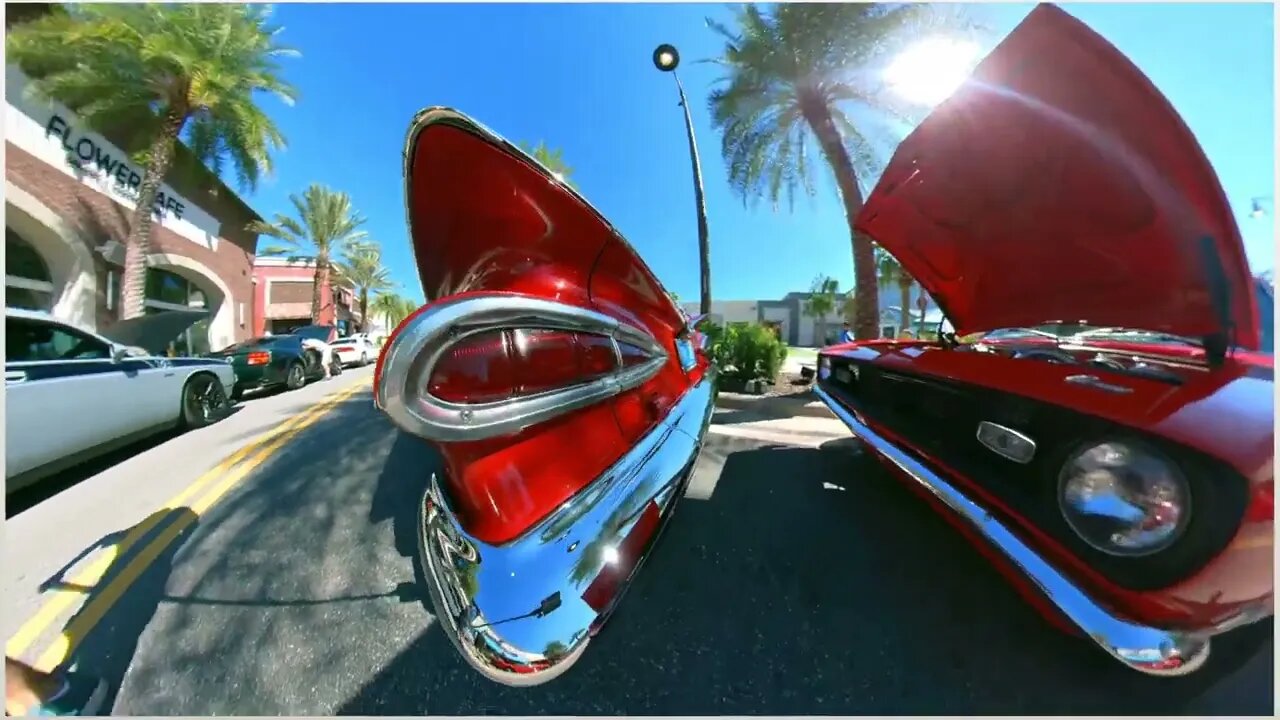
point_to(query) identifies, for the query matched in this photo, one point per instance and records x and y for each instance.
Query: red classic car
(566, 391)
(1120, 475)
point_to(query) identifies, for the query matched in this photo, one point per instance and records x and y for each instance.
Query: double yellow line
(223, 477)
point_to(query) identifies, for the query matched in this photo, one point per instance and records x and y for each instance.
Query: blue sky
(580, 77)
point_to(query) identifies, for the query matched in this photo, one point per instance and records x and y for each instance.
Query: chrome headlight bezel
(1140, 480)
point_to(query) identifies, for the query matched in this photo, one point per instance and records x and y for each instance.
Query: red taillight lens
(501, 364)
(632, 355)
(595, 356)
(258, 358)
(477, 369)
(547, 359)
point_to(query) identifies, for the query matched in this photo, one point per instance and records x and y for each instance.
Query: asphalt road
(796, 579)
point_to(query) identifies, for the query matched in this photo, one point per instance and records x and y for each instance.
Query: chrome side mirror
(119, 353)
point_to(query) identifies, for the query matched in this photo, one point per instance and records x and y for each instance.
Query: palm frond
(126, 65)
(776, 58)
(325, 226)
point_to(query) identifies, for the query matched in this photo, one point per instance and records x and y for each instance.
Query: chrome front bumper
(1146, 649)
(487, 597)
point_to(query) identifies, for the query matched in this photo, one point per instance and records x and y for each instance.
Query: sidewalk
(799, 357)
(800, 431)
(799, 404)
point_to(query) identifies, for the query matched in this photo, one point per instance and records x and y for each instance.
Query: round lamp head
(666, 57)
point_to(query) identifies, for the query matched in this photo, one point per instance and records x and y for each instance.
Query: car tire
(203, 400)
(295, 376)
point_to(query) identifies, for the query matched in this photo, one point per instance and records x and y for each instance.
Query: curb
(806, 404)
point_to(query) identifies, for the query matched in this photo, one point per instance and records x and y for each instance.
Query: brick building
(282, 298)
(68, 199)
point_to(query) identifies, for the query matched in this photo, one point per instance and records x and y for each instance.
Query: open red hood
(1059, 185)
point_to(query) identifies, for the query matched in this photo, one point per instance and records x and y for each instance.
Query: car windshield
(1132, 335)
(1016, 333)
(1079, 332)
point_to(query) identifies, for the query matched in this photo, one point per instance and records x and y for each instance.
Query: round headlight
(1124, 499)
(824, 367)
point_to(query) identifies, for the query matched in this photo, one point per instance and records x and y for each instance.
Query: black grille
(941, 418)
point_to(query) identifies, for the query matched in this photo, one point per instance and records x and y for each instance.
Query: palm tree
(849, 305)
(551, 159)
(889, 272)
(407, 307)
(161, 71)
(792, 70)
(393, 308)
(554, 649)
(325, 227)
(387, 305)
(822, 301)
(363, 271)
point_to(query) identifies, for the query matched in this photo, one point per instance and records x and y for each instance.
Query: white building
(798, 329)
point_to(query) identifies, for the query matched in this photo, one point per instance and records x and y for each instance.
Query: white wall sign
(54, 135)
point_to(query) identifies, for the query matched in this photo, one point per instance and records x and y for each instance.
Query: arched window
(27, 281)
(167, 290)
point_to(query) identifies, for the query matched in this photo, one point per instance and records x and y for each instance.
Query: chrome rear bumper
(1145, 649)
(516, 611)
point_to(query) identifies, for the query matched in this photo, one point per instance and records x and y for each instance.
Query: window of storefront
(284, 327)
(167, 290)
(28, 284)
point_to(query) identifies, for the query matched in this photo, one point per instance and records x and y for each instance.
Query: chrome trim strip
(1094, 381)
(440, 115)
(495, 629)
(1138, 646)
(415, 350)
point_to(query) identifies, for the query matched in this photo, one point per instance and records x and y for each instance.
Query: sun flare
(930, 70)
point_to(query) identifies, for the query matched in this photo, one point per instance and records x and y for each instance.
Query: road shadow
(279, 569)
(103, 634)
(262, 393)
(401, 484)
(808, 582)
(59, 482)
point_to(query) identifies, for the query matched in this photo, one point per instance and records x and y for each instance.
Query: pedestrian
(326, 353)
(846, 335)
(28, 691)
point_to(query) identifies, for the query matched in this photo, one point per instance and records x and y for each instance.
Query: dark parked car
(271, 361)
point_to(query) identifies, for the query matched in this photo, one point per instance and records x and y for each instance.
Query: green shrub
(745, 351)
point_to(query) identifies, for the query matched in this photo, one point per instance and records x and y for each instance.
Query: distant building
(800, 330)
(282, 293)
(70, 194)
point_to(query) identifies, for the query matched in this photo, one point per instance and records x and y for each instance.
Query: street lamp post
(666, 58)
(1258, 209)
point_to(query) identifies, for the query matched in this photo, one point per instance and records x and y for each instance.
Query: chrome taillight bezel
(414, 351)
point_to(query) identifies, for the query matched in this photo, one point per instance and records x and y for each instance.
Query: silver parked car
(71, 395)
